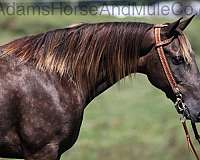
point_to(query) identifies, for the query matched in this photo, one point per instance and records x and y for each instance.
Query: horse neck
(114, 66)
(103, 83)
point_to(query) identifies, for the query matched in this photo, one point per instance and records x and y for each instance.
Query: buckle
(179, 105)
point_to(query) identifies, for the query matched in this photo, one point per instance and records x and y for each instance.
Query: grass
(133, 120)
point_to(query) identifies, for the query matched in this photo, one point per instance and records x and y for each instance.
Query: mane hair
(84, 51)
(185, 47)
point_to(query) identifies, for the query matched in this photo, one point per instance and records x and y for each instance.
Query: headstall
(179, 104)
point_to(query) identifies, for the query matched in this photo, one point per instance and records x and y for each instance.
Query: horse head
(181, 61)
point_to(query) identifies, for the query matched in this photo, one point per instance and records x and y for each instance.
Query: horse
(48, 79)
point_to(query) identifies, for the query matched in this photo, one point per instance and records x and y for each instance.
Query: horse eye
(177, 60)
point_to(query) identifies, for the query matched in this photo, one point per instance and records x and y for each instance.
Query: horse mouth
(189, 115)
(186, 113)
(194, 119)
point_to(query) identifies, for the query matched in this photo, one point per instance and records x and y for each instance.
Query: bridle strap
(165, 65)
(165, 42)
(159, 47)
(188, 140)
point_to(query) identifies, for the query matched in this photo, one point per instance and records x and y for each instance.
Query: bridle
(179, 104)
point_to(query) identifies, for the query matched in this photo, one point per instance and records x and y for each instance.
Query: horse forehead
(175, 44)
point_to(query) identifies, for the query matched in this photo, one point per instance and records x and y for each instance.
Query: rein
(179, 104)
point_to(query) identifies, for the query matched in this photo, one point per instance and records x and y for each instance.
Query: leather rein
(179, 104)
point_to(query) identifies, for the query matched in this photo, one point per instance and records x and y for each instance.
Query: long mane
(83, 50)
(185, 47)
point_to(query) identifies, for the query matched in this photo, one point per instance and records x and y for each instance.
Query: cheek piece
(179, 104)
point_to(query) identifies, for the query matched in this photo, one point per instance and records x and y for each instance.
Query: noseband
(179, 104)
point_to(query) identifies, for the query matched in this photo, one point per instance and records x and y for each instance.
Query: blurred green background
(130, 121)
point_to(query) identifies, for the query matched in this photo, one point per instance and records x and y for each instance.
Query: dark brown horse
(47, 80)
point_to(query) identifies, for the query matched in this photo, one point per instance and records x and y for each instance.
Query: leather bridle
(179, 104)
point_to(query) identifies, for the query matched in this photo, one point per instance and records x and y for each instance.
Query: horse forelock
(186, 48)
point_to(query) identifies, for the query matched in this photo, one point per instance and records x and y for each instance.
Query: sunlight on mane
(185, 48)
(84, 51)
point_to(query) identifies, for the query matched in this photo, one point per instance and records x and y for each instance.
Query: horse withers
(47, 80)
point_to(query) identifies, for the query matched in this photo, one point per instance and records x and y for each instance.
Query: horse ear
(185, 23)
(173, 26)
